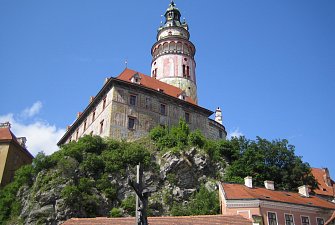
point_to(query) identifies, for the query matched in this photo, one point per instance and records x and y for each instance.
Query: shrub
(116, 212)
(129, 205)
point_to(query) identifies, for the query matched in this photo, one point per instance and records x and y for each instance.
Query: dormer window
(136, 79)
(182, 96)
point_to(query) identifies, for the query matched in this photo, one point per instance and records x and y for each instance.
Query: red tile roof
(153, 83)
(323, 188)
(180, 220)
(6, 134)
(239, 192)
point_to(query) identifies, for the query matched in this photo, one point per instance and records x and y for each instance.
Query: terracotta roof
(180, 220)
(239, 192)
(323, 188)
(153, 83)
(6, 134)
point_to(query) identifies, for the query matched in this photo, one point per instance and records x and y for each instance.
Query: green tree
(269, 160)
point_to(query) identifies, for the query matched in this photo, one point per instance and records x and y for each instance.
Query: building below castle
(130, 105)
(13, 154)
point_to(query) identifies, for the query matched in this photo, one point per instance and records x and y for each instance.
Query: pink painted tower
(173, 54)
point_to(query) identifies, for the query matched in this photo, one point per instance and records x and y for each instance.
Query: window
(101, 126)
(85, 123)
(77, 134)
(132, 100)
(304, 220)
(93, 116)
(184, 70)
(272, 217)
(289, 219)
(163, 109)
(148, 103)
(131, 123)
(104, 102)
(187, 117)
(320, 221)
(91, 133)
(220, 134)
(188, 71)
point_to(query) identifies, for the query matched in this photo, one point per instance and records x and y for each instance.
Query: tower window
(188, 71)
(132, 100)
(131, 123)
(184, 71)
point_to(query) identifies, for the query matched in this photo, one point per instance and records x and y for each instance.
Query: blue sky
(269, 65)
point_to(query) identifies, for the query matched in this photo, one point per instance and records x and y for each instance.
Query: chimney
(269, 184)
(248, 181)
(22, 141)
(91, 99)
(304, 191)
(326, 177)
(5, 125)
(78, 114)
(218, 115)
(106, 80)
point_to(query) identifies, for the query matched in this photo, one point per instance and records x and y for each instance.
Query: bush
(129, 205)
(116, 212)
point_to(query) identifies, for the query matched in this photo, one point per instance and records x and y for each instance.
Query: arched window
(186, 51)
(179, 47)
(165, 47)
(172, 46)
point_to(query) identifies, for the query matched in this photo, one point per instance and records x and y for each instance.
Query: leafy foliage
(203, 202)
(269, 160)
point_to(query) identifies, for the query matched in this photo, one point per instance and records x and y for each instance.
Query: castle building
(131, 104)
(13, 154)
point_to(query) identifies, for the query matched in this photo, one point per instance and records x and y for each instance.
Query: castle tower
(173, 54)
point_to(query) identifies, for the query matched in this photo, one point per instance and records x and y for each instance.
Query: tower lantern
(173, 54)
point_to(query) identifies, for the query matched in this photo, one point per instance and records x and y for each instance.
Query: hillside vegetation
(88, 178)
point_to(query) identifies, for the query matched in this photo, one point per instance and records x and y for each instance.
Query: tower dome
(173, 54)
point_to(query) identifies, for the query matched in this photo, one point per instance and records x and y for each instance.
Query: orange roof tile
(180, 220)
(6, 134)
(153, 83)
(239, 192)
(323, 188)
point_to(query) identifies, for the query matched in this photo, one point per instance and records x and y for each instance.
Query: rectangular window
(272, 217)
(220, 134)
(304, 220)
(104, 102)
(187, 117)
(77, 134)
(131, 123)
(101, 126)
(93, 115)
(320, 221)
(85, 123)
(132, 100)
(163, 109)
(148, 103)
(289, 219)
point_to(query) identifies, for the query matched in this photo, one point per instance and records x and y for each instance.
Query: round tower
(173, 54)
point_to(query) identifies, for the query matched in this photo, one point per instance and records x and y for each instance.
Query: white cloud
(235, 133)
(41, 136)
(32, 111)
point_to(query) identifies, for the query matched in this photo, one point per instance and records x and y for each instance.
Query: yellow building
(13, 154)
